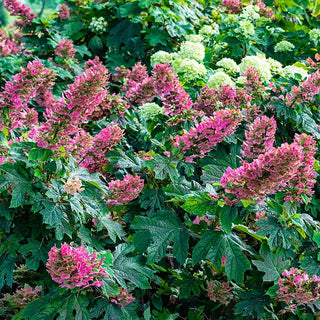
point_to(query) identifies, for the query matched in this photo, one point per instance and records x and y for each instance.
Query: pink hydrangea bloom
(64, 11)
(204, 218)
(232, 6)
(264, 10)
(259, 138)
(126, 190)
(211, 100)
(220, 291)
(32, 82)
(79, 101)
(264, 175)
(74, 108)
(211, 131)
(252, 83)
(65, 49)
(7, 46)
(307, 90)
(94, 159)
(304, 181)
(23, 296)
(75, 267)
(73, 186)
(112, 103)
(297, 289)
(123, 298)
(138, 85)
(15, 8)
(175, 99)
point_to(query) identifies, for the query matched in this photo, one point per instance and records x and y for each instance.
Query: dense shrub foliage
(159, 160)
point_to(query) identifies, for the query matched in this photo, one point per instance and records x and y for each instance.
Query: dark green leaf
(200, 204)
(276, 233)
(273, 264)
(6, 271)
(163, 228)
(34, 252)
(52, 214)
(40, 154)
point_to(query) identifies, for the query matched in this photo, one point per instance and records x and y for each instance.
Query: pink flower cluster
(314, 64)
(297, 289)
(73, 109)
(175, 99)
(211, 131)
(94, 159)
(111, 103)
(141, 88)
(32, 82)
(232, 6)
(23, 296)
(211, 100)
(7, 46)
(75, 267)
(220, 291)
(63, 11)
(15, 8)
(252, 82)
(73, 186)
(303, 182)
(65, 49)
(264, 10)
(123, 298)
(204, 218)
(259, 138)
(79, 101)
(126, 190)
(264, 175)
(308, 89)
(138, 85)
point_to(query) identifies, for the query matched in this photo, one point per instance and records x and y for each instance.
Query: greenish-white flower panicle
(192, 50)
(190, 69)
(260, 64)
(149, 111)
(229, 65)
(294, 72)
(161, 57)
(284, 46)
(218, 79)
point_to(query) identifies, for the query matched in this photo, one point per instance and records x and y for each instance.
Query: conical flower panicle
(259, 138)
(75, 267)
(264, 175)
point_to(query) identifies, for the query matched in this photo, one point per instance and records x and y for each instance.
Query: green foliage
(157, 232)
(163, 249)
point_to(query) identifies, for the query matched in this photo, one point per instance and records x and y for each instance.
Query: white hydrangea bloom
(246, 28)
(314, 34)
(176, 61)
(241, 80)
(219, 78)
(275, 66)
(149, 111)
(230, 19)
(192, 50)
(209, 31)
(229, 65)
(250, 12)
(190, 69)
(98, 25)
(290, 71)
(194, 37)
(284, 46)
(160, 57)
(260, 64)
